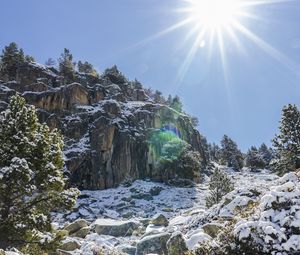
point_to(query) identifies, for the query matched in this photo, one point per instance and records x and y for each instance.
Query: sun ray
(270, 50)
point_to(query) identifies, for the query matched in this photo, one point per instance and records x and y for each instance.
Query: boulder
(156, 244)
(176, 244)
(212, 229)
(70, 245)
(114, 227)
(155, 191)
(159, 220)
(76, 225)
(82, 233)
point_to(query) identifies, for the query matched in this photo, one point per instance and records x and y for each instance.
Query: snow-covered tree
(219, 185)
(287, 143)
(114, 75)
(50, 62)
(86, 67)
(230, 155)
(214, 152)
(254, 159)
(266, 153)
(31, 178)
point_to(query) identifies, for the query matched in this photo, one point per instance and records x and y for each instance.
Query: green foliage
(287, 143)
(12, 57)
(114, 75)
(230, 155)
(87, 68)
(219, 185)
(178, 160)
(176, 104)
(31, 178)
(67, 66)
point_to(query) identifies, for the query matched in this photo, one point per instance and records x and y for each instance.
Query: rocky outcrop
(154, 244)
(107, 126)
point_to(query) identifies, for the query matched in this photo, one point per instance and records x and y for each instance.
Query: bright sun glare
(214, 14)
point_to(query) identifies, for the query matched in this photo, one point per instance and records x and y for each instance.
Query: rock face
(107, 123)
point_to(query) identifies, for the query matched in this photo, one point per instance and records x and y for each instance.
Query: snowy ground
(184, 208)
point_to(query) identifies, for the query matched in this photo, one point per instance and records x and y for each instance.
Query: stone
(128, 249)
(159, 220)
(155, 191)
(212, 229)
(70, 245)
(76, 225)
(145, 196)
(176, 245)
(2, 252)
(115, 228)
(156, 244)
(81, 233)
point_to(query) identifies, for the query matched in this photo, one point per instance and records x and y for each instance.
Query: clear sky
(239, 92)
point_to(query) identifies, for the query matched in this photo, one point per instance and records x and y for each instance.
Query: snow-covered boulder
(156, 244)
(114, 227)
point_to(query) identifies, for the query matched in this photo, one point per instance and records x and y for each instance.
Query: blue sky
(244, 101)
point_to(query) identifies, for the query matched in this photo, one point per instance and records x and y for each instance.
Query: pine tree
(50, 62)
(254, 159)
(31, 178)
(230, 154)
(177, 104)
(287, 143)
(114, 75)
(67, 66)
(86, 68)
(266, 154)
(219, 185)
(12, 57)
(214, 152)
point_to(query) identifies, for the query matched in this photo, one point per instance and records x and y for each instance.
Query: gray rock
(153, 244)
(155, 191)
(159, 220)
(76, 225)
(212, 229)
(127, 249)
(70, 245)
(176, 245)
(82, 233)
(114, 227)
(145, 196)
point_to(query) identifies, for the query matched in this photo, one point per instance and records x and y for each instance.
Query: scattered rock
(153, 244)
(82, 233)
(114, 227)
(212, 229)
(70, 245)
(159, 220)
(76, 225)
(155, 191)
(176, 244)
(145, 196)
(128, 249)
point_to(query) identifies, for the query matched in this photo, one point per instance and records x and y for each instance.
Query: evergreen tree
(287, 143)
(254, 160)
(214, 152)
(230, 154)
(31, 178)
(67, 66)
(50, 62)
(176, 104)
(178, 160)
(12, 57)
(266, 154)
(114, 75)
(158, 97)
(219, 185)
(87, 68)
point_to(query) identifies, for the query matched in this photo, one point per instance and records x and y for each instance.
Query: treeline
(283, 157)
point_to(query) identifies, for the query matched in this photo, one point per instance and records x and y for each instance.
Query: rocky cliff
(106, 121)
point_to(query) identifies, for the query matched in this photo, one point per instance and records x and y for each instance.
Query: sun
(214, 14)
